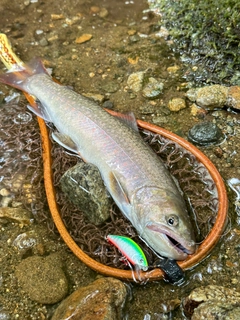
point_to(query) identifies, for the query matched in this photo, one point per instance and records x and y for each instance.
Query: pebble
(159, 120)
(19, 215)
(147, 109)
(103, 13)
(43, 42)
(211, 97)
(135, 81)
(110, 87)
(173, 69)
(176, 104)
(30, 240)
(233, 98)
(153, 89)
(94, 96)
(215, 96)
(205, 133)
(42, 278)
(194, 109)
(84, 186)
(101, 300)
(83, 38)
(57, 16)
(108, 104)
(213, 302)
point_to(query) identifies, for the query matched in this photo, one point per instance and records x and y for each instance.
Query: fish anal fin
(65, 141)
(128, 118)
(119, 193)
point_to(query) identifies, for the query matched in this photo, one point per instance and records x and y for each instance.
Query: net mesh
(22, 174)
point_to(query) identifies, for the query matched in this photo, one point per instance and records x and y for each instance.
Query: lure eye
(172, 220)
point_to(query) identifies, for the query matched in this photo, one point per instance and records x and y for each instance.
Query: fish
(130, 249)
(134, 175)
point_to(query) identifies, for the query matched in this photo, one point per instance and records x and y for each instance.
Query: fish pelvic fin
(17, 75)
(65, 141)
(119, 193)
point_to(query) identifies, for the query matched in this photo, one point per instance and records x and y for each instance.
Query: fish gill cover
(22, 163)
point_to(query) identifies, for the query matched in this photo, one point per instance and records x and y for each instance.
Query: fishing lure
(130, 249)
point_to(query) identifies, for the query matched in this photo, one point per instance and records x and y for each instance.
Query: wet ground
(123, 40)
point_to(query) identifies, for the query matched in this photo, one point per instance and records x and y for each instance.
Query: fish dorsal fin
(119, 193)
(40, 111)
(65, 141)
(128, 118)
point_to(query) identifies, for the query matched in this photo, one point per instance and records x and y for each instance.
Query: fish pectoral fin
(37, 108)
(128, 118)
(65, 141)
(119, 193)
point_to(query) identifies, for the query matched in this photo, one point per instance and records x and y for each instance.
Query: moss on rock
(207, 35)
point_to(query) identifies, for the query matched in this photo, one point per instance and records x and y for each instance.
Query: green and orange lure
(130, 249)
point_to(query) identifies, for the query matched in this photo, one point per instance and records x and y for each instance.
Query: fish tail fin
(18, 71)
(17, 75)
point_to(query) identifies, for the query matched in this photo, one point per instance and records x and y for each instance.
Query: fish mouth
(180, 247)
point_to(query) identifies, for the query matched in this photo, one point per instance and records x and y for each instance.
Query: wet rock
(233, 98)
(147, 109)
(191, 94)
(205, 133)
(19, 215)
(101, 300)
(4, 315)
(29, 241)
(210, 97)
(135, 81)
(43, 42)
(110, 87)
(194, 109)
(173, 69)
(213, 302)
(134, 38)
(43, 278)
(83, 38)
(84, 186)
(176, 104)
(159, 120)
(94, 96)
(103, 13)
(108, 104)
(153, 89)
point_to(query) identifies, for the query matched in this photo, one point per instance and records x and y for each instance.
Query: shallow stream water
(125, 39)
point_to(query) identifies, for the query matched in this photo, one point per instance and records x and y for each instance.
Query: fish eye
(172, 220)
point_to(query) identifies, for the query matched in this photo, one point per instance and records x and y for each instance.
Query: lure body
(130, 249)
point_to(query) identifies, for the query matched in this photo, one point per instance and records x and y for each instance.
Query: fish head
(163, 222)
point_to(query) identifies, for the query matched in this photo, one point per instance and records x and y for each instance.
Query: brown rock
(176, 104)
(16, 214)
(84, 38)
(233, 98)
(43, 279)
(211, 97)
(101, 300)
(212, 302)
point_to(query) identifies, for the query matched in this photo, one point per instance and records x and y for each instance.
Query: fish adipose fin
(65, 141)
(119, 194)
(128, 118)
